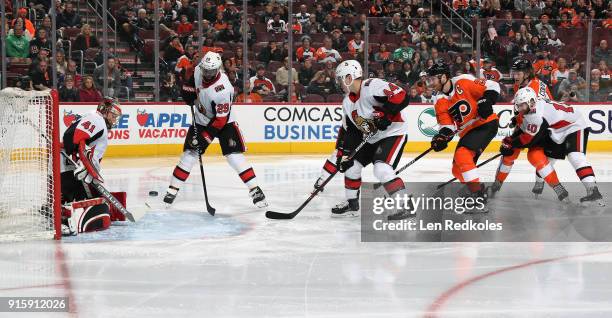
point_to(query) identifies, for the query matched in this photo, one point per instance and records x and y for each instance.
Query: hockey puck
(153, 193)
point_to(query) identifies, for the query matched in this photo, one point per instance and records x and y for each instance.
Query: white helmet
(210, 64)
(525, 95)
(348, 67)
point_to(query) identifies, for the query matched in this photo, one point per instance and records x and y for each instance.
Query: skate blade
(596, 203)
(262, 204)
(347, 215)
(399, 218)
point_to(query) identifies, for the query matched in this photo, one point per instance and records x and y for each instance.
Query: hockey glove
(513, 122)
(440, 141)
(381, 122)
(83, 174)
(506, 148)
(342, 161)
(485, 104)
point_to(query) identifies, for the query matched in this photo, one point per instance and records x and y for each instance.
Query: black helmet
(521, 64)
(439, 67)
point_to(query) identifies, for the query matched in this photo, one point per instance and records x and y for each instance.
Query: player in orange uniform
(467, 110)
(524, 76)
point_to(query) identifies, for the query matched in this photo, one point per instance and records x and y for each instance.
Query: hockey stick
(288, 216)
(378, 185)
(106, 194)
(442, 185)
(209, 208)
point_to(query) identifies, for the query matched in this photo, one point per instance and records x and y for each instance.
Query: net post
(55, 152)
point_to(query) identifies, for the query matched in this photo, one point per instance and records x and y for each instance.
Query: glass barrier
(599, 82)
(557, 50)
(401, 50)
(124, 49)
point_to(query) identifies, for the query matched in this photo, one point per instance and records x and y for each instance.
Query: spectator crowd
(404, 39)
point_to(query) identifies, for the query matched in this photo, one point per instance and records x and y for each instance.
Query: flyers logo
(459, 110)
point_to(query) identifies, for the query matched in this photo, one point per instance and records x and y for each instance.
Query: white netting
(26, 165)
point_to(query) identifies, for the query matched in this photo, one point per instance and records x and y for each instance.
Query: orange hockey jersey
(459, 111)
(539, 87)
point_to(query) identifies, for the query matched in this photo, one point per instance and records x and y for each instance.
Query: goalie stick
(106, 194)
(209, 208)
(287, 216)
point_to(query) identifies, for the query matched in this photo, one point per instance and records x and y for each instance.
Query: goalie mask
(110, 110)
(210, 66)
(343, 70)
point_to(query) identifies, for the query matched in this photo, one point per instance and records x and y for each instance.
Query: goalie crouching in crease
(85, 141)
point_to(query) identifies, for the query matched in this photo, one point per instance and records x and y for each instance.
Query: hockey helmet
(521, 64)
(210, 65)
(110, 110)
(438, 68)
(525, 95)
(348, 67)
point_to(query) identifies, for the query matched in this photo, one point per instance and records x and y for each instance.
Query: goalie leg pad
(87, 216)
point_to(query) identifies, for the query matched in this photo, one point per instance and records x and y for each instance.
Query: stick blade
(280, 216)
(211, 210)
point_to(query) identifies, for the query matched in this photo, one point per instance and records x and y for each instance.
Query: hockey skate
(402, 214)
(170, 195)
(493, 189)
(482, 198)
(562, 194)
(349, 208)
(538, 188)
(259, 199)
(593, 196)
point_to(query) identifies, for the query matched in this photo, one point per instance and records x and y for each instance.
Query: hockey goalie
(84, 144)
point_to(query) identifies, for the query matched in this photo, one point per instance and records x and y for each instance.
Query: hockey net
(29, 165)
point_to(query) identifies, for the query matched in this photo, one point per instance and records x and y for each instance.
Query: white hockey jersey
(92, 129)
(562, 121)
(372, 96)
(215, 101)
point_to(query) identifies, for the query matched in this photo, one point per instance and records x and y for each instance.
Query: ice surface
(181, 262)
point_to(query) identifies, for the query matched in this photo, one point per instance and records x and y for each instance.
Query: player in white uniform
(371, 106)
(566, 135)
(85, 141)
(214, 118)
